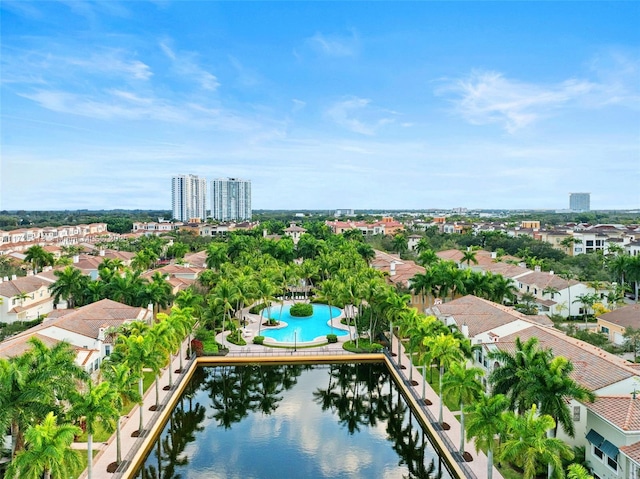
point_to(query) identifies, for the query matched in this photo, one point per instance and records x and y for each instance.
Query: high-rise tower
(189, 197)
(579, 202)
(230, 199)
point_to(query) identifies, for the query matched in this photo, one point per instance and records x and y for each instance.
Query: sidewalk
(479, 463)
(129, 424)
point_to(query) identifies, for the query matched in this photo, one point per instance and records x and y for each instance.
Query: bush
(301, 310)
(364, 346)
(236, 338)
(332, 338)
(258, 339)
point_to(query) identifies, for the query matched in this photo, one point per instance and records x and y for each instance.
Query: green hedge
(301, 310)
(236, 338)
(258, 339)
(332, 338)
(364, 346)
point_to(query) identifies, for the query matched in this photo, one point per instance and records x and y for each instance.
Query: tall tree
(514, 377)
(446, 350)
(123, 382)
(529, 446)
(38, 257)
(461, 385)
(554, 388)
(487, 420)
(70, 286)
(97, 405)
(48, 452)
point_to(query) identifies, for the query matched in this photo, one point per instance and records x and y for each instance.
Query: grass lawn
(149, 377)
(99, 435)
(507, 472)
(82, 453)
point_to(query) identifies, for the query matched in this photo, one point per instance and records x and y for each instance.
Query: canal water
(292, 421)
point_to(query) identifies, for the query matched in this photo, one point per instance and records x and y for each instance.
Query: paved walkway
(129, 424)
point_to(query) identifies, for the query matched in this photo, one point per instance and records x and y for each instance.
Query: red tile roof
(621, 411)
(594, 368)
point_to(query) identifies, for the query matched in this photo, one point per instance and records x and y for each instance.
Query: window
(598, 453)
(604, 329)
(107, 350)
(589, 242)
(576, 413)
(612, 463)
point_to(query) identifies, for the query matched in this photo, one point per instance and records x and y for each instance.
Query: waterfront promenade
(106, 452)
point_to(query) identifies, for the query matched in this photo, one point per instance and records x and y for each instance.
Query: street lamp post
(295, 341)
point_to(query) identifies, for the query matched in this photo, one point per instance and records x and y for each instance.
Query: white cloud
(356, 114)
(185, 65)
(335, 45)
(488, 97)
(298, 104)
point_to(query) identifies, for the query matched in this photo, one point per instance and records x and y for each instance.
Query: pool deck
(134, 449)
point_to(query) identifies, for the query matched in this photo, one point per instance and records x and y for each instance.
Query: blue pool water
(303, 329)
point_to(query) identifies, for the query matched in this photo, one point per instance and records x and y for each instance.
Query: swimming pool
(301, 330)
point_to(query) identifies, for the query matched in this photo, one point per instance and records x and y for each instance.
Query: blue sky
(322, 105)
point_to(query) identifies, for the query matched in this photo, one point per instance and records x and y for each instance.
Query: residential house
(294, 232)
(85, 328)
(24, 298)
(399, 272)
(614, 323)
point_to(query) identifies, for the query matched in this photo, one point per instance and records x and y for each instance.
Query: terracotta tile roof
(632, 451)
(17, 346)
(594, 368)
(621, 411)
(404, 270)
(197, 259)
(626, 316)
(481, 315)
(23, 284)
(88, 320)
(544, 280)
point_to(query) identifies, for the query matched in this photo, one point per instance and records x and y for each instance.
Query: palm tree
(329, 290)
(96, 405)
(135, 350)
(48, 452)
(554, 387)
(578, 471)
(122, 381)
(587, 300)
(21, 296)
(530, 448)
(69, 286)
(445, 348)
(182, 322)
(487, 420)
(165, 340)
(469, 256)
(216, 255)
(265, 291)
(460, 384)
(427, 257)
(400, 243)
(38, 257)
(32, 384)
(158, 292)
(514, 377)
(224, 295)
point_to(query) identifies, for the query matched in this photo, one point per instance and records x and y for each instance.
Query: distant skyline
(322, 105)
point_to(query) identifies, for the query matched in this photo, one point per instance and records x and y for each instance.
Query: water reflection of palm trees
(184, 423)
(357, 394)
